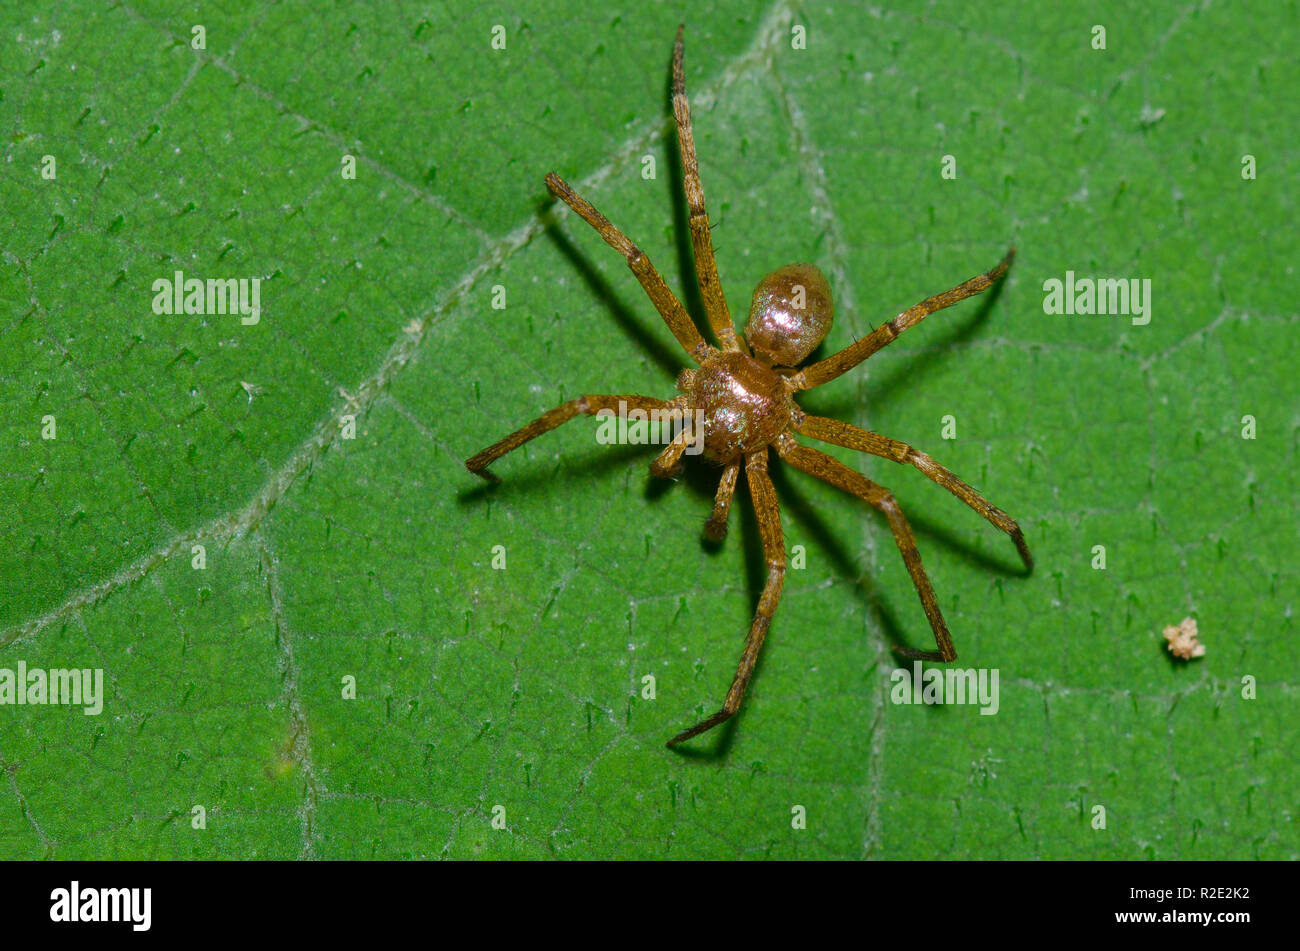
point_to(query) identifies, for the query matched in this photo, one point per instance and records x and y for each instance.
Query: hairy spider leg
(864, 440)
(819, 465)
(715, 529)
(665, 301)
(826, 370)
(590, 404)
(768, 511)
(706, 265)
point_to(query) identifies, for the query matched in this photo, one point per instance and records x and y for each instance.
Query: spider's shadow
(671, 360)
(1007, 564)
(815, 528)
(589, 466)
(703, 479)
(904, 376)
(906, 373)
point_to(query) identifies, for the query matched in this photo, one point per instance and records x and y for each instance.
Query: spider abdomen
(743, 404)
(790, 315)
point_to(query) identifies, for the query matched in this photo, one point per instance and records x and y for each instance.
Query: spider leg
(665, 301)
(828, 469)
(768, 511)
(826, 370)
(864, 440)
(715, 528)
(551, 419)
(706, 265)
(669, 462)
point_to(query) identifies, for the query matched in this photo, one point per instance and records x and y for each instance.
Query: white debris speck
(1149, 116)
(1184, 641)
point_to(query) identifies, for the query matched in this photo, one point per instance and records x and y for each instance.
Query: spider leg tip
(911, 653)
(1022, 548)
(683, 736)
(484, 474)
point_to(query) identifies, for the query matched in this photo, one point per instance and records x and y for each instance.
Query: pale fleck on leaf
(1183, 640)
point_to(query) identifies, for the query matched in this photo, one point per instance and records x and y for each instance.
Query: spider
(743, 392)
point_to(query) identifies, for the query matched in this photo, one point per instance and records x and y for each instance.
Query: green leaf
(328, 558)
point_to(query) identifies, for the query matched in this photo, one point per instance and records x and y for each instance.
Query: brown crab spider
(744, 394)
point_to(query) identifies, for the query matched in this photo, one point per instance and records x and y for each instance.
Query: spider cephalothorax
(742, 394)
(742, 404)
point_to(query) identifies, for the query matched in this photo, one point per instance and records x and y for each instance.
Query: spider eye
(790, 314)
